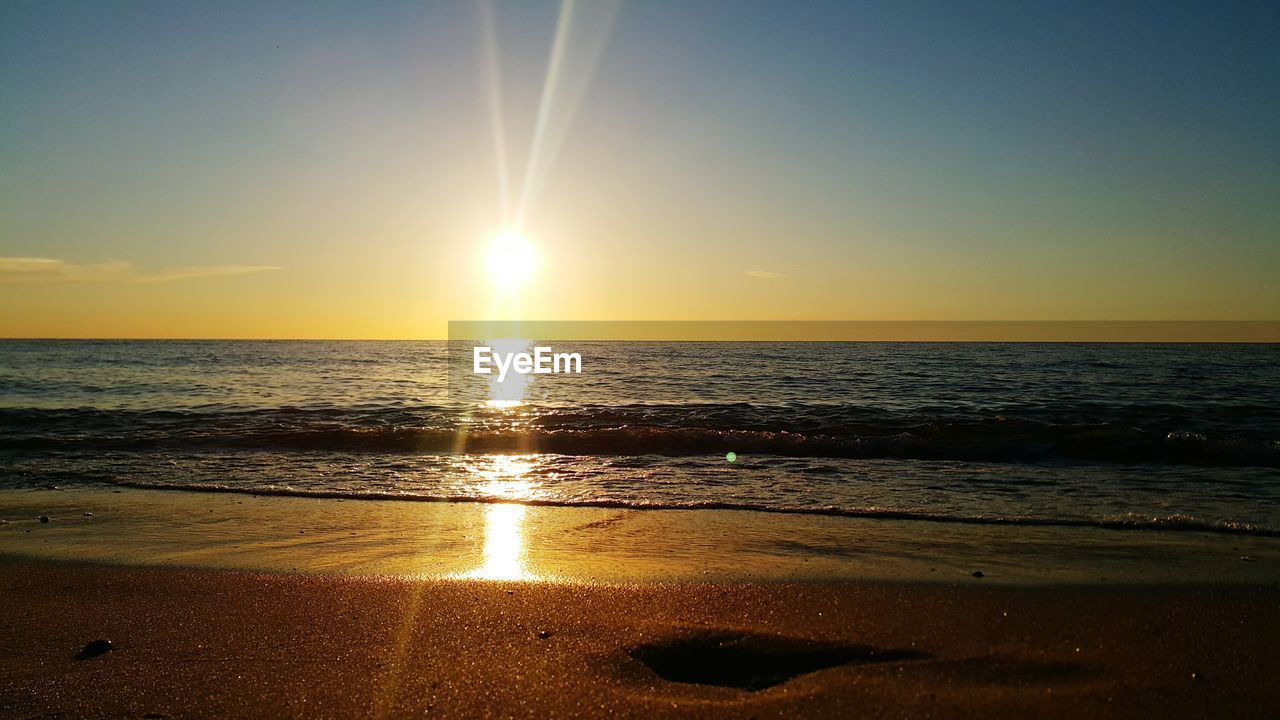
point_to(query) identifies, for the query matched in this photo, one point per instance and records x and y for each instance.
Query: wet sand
(507, 541)
(235, 644)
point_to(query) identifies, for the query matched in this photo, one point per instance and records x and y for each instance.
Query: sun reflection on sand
(504, 548)
(503, 544)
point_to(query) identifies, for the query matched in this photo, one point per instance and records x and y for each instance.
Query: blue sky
(757, 160)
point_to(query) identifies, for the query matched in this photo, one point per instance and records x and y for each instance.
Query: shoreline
(1171, 524)
(227, 643)
(512, 541)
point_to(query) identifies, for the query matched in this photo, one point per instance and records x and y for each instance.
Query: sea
(1171, 437)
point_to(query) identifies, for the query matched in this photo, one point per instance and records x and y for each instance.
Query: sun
(510, 259)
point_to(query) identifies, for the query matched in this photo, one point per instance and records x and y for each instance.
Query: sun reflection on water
(503, 404)
(504, 476)
(509, 390)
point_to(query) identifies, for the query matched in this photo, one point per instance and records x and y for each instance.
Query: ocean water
(1177, 437)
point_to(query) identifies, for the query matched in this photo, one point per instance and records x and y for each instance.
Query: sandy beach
(241, 605)
(191, 643)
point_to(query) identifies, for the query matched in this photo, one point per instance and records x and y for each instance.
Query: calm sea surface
(1184, 437)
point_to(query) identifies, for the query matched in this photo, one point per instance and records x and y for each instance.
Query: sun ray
(493, 95)
(563, 88)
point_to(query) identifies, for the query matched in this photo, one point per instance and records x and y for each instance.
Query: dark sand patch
(752, 661)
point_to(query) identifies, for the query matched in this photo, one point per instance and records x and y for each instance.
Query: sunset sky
(178, 169)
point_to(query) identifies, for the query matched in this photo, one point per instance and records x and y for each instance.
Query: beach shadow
(94, 649)
(750, 661)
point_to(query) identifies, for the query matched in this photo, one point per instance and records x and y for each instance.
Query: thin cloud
(186, 273)
(767, 275)
(39, 271)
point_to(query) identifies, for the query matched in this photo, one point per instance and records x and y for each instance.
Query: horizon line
(1144, 331)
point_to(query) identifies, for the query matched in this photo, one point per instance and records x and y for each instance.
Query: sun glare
(510, 259)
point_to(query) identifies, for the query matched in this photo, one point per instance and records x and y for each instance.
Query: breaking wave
(788, 431)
